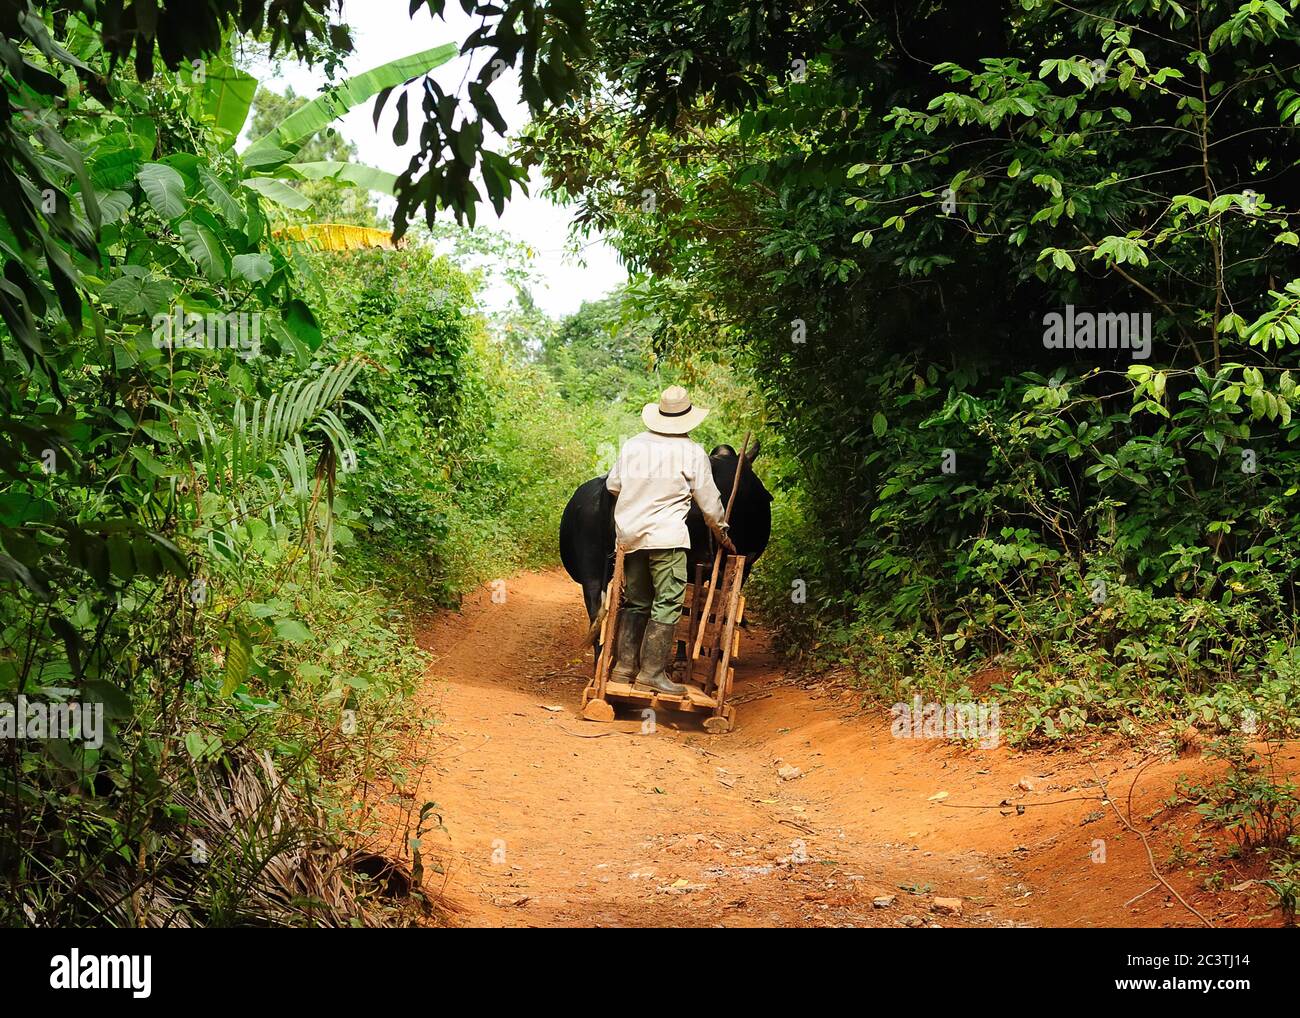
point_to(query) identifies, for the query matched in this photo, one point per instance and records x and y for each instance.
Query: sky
(382, 31)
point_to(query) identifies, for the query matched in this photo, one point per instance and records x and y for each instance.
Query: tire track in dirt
(553, 821)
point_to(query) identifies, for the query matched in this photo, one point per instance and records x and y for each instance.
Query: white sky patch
(382, 32)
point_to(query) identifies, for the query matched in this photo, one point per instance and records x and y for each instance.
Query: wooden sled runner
(710, 621)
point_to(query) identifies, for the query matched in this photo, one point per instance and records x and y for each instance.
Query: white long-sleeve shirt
(655, 478)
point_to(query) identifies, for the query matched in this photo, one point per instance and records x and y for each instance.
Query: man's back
(655, 478)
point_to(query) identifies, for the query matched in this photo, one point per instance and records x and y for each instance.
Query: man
(657, 475)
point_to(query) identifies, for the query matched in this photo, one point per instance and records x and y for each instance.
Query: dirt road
(553, 821)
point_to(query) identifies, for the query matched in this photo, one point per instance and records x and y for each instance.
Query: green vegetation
(233, 462)
(478, 454)
(332, 200)
(196, 432)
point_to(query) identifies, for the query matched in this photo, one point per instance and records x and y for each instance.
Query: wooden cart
(708, 675)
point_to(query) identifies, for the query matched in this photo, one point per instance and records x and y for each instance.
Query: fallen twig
(1151, 859)
(737, 700)
(1142, 895)
(598, 735)
(1005, 803)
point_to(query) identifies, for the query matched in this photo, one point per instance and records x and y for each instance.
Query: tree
(332, 201)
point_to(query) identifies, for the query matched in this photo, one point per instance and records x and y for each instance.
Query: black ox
(587, 527)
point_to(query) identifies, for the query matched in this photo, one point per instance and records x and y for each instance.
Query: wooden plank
(713, 628)
(693, 626)
(702, 630)
(725, 674)
(695, 698)
(610, 629)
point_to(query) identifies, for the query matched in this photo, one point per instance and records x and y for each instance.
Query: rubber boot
(656, 651)
(627, 649)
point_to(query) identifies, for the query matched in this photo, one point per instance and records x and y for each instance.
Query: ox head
(727, 452)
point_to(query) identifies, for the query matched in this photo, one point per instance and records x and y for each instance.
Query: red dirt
(554, 821)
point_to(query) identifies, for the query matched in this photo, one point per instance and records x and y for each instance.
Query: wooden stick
(695, 618)
(717, 558)
(611, 626)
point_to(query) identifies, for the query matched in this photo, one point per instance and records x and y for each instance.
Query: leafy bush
(478, 453)
(184, 445)
(1259, 808)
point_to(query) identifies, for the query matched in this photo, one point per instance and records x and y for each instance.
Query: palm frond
(271, 431)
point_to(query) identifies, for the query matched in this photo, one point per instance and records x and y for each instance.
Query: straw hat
(673, 414)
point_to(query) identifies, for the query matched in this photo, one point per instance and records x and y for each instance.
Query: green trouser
(656, 582)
